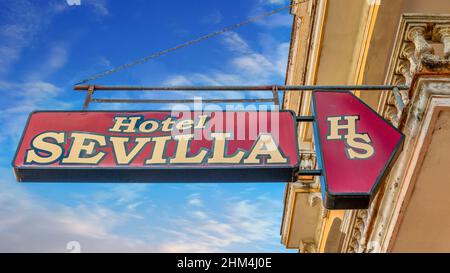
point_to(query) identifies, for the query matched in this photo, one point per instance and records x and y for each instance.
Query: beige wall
(426, 223)
(426, 6)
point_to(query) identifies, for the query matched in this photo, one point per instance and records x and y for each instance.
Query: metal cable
(188, 43)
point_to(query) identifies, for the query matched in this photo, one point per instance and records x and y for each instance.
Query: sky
(48, 46)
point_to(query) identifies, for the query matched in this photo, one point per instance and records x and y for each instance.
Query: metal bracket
(89, 94)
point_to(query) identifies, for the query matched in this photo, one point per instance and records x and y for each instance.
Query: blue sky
(47, 46)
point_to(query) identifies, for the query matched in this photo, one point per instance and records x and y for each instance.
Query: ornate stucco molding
(414, 52)
(307, 247)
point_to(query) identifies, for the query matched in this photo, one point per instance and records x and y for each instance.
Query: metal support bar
(276, 99)
(243, 88)
(88, 97)
(100, 100)
(398, 98)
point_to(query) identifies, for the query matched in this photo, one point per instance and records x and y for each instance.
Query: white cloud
(282, 19)
(234, 42)
(194, 200)
(21, 22)
(246, 67)
(242, 225)
(276, 2)
(55, 60)
(58, 57)
(73, 2)
(29, 224)
(24, 98)
(277, 20)
(213, 17)
(104, 62)
(253, 64)
(100, 6)
(177, 80)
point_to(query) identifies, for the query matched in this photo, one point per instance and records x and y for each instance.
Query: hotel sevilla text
(63, 146)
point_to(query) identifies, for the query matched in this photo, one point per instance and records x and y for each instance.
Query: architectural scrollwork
(357, 239)
(414, 52)
(441, 33)
(307, 247)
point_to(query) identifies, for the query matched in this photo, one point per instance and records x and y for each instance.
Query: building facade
(355, 42)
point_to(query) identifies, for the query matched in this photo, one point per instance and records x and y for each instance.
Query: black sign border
(172, 174)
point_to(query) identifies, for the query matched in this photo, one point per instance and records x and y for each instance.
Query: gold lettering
(219, 150)
(265, 145)
(181, 151)
(334, 125)
(158, 150)
(120, 152)
(201, 123)
(85, 143)
(143, 126)
(185, 124)
(54, 150)
(119, 122)
(167, 124)
(365, 147)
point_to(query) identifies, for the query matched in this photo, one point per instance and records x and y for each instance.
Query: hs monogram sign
(355, 148)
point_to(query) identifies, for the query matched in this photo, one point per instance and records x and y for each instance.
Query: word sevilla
(48, 147)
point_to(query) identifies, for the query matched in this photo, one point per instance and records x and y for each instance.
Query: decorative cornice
(414, 53)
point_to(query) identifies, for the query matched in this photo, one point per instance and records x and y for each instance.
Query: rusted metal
(88, 97)
(101, 100)
(276, 98)
(242, 88)
(247, 88)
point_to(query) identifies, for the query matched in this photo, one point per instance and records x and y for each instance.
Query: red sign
(355, 147)
(158, 147)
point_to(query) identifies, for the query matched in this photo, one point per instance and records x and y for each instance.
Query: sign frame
(172, 174)
(357, 200)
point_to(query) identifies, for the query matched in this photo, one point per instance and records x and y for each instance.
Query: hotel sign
(355, 148)
(106, 146)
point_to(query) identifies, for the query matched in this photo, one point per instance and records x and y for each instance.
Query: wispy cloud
(277, 20)
(213, 17)
(22, 22)
(194, 200)
(235, 42)
(32, 225)
(275, 2)
(24, 97)
(283, 19)
(175, 80)
(245, 66)
(100, 7)
(239, 227)
(55, 60)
